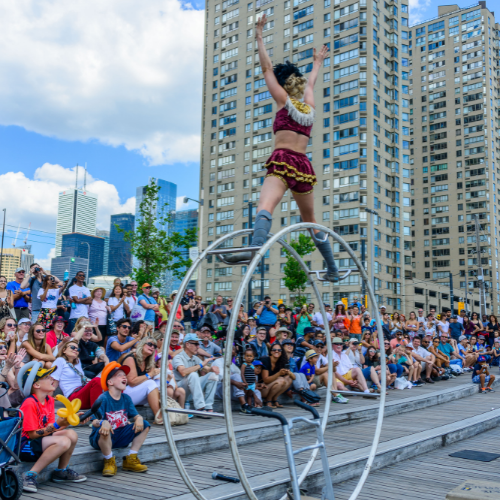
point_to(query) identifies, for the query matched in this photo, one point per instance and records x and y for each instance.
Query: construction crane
(27, 234)
(17, 234)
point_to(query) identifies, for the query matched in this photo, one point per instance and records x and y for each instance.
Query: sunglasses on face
(74, 348)
(40, 331)
(194, 343)
(276, 350)
(126, 327)
(148, 287)
(3, 347)
(10, 324)
(150, 344)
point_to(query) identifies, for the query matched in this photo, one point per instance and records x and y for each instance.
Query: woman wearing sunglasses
(6, 299)
(71, 377)
(142, 386)
(36, 346)
(276, 375)
(7, 329)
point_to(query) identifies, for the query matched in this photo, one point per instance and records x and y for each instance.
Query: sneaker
(109, 468)
(339, 399)
(333, 276)
(30, 483)
(133, 464)
(67, 476)
(245, 410)
(482, 390)
(428, 380)
(414, 384)
(489, 389)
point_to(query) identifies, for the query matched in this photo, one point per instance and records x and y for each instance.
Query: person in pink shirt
(56, 333)
(98, 312)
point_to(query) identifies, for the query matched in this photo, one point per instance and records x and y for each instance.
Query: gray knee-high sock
(323, 245)
(262, 226)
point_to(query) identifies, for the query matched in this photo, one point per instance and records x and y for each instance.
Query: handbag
(175, 418)
(111, 324)
(138, 313)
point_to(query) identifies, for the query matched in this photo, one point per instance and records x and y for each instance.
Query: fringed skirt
(293, 168)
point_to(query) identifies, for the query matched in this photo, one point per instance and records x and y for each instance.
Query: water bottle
(66, 275)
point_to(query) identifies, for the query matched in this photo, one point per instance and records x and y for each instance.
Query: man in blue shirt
(149, 303)
(267, 313)
(456, 328)
(121, 342)
(446, 348)
(259, 343)
(21, 295)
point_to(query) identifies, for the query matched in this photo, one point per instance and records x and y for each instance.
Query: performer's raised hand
(321, 55)
(260, 25)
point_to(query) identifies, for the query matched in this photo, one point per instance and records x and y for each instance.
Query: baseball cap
(308, 329)
(146, 285)
(204, 328)
(481, 337)
(26, 320)
(318, 342)
(354, 339)
(462, 337)
(261, 329)
(191, 337)
(19, 269)
(382, 307)
(311, 353)
(481, 359)
(41, 373)
(257, 363)
(454, 316)
(337, 340)
(287, 341)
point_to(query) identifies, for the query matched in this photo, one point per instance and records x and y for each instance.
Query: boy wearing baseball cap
(43, 438)
(120, 425)
(309, 368)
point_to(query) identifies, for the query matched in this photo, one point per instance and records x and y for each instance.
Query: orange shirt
(356, 325)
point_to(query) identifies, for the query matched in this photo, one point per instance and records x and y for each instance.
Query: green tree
(157, 249)
(295, 277)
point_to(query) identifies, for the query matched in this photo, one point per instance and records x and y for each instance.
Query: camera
(37, 270)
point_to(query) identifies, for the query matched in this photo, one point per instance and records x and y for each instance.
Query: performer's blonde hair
(295, 86)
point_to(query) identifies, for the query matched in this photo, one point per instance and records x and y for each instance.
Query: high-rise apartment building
(102, 233)
(120, 257)
(76, 213)
(455, 146)
(359, 145)
(10, 260)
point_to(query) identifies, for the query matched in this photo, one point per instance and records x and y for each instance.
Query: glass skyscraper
(120, 256)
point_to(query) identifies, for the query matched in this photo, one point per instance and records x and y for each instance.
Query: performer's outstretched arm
(277, 91)
(318, 61)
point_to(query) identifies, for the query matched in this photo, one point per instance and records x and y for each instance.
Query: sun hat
(173, 294)
(337, 340)
(56, 319)
(311, 353)
(92, 293)
(190, 291)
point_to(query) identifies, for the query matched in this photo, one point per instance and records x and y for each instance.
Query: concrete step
(86, 459)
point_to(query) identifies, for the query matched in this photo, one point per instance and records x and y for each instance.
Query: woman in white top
(49, 294)
(117, 303)
(98, 312)
(72, 381)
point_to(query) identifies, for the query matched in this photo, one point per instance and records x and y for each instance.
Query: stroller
(11, 483)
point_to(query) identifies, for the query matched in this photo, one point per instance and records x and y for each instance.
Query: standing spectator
(117, 303)
(340, 320)
(80, 298)
(149, 304)
(130, 299)
(194, 376)
(22, 296)
(155, 293)
(188, 303)
(163, 308)
(34, 281)
(6, 299)
(355, 322)
(462, 315)
(253, 311)
(283, 316)
(219, 309)
(133, 286)
(259, 343)
(242, 316)
(304, 320)
(179, 314)
(229, 309)
(317, 319)
(48, 295)
(456, 329)
(98, 312)
(121, 342)
(267, 313)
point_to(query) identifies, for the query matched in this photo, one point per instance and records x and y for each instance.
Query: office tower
(59, 266)
(105, 262)
(27, 258)
(85, 246)
(360, 142)
(76, 213)
(120, 257)
(455, 148)
(10, 261)
(183, 220)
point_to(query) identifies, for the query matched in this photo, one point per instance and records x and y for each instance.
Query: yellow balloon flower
(70, 412)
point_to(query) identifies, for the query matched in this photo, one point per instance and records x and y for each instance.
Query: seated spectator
(271, 336)
(10, 365)
(8, 327)
(187, 367)
(481, 375)
(309, 369)
(208, 349)
(44, 439)
(281, 334)
(92, 355)
(447, 350)
(304, 342)
(276, 377)
(371, 369)
(36, 346)
(481, 346)
(347, 375)
(258, 344)
(56, 333)
(466, 353)
(424, 357)
(143, 379)
(174, 347)
(71, 378)
(398, 340)
(495, 353)
(237, 385)
(120, 425)
(390, 358)
(355, 354)
(412, 368)
(121, 343)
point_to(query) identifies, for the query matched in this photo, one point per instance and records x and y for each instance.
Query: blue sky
(137, 115)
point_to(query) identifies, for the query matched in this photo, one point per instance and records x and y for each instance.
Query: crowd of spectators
(107, 345)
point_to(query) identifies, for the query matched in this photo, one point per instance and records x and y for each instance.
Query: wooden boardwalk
(162, 480)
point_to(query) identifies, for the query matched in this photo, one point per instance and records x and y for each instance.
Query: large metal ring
(228, 356)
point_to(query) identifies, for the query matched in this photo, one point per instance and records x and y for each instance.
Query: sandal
(277, 405)
(269, 404)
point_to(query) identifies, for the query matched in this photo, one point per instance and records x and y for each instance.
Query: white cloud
(36, 200)
(122, 72)
(418, 11)
(180, 205)
(46, 262)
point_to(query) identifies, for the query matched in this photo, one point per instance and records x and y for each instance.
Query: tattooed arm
(49, 430)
